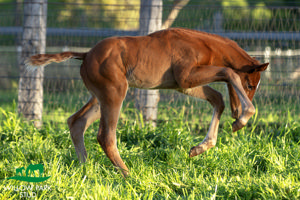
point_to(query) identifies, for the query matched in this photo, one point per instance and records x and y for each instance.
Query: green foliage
(260, 161)
(100, 14)
(240, 9)
(236, 9)
(260, 12)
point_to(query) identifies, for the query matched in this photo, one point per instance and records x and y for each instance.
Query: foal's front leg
(235, 105)
(195, 76)
(215, 99)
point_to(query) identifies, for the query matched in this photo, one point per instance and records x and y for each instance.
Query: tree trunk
(177, 6)
(150, 21)
(18, 10)
(30, 97)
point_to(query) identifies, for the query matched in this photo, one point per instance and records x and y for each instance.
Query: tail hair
(40, 60)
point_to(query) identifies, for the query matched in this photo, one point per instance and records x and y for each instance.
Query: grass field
(261, 161)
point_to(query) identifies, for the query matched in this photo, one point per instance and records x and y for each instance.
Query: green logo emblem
(29, 172)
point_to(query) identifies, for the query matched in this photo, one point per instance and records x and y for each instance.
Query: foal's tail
(40, 60)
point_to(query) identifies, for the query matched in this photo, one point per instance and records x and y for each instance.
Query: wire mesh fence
(268, 32)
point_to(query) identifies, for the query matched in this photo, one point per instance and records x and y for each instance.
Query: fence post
(267, 56)
(30, 93)
(290, 63)
(218, 22)
(150, 21)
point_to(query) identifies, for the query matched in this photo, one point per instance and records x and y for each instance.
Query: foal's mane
(228, 41)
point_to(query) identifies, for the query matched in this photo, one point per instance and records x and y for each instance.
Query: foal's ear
(261, 67)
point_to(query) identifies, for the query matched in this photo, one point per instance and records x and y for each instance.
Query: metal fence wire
(268, 32)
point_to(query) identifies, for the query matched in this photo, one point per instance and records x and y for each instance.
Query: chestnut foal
(180, 59)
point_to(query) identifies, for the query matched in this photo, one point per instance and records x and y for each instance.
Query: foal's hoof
(196, 151)
(125, 173)
(237, 125)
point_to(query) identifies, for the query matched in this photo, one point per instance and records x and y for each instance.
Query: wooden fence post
(30, 93)
(267, 58)
(150, 21)
(218, 22)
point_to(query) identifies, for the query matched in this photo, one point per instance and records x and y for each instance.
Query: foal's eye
(250, 87)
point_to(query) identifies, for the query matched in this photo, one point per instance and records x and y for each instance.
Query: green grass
(261, 161)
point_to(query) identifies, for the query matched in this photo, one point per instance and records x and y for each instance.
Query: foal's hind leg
(79, 122)
(216, 100)
(111, 96)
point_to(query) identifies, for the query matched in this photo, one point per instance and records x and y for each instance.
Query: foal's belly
(148, 80)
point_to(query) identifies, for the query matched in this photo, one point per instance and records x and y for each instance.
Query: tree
(177, 6)
(30, 94)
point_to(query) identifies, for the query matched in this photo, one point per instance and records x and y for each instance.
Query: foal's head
(250, 78)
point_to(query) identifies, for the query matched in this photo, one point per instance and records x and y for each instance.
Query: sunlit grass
(260, 161)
